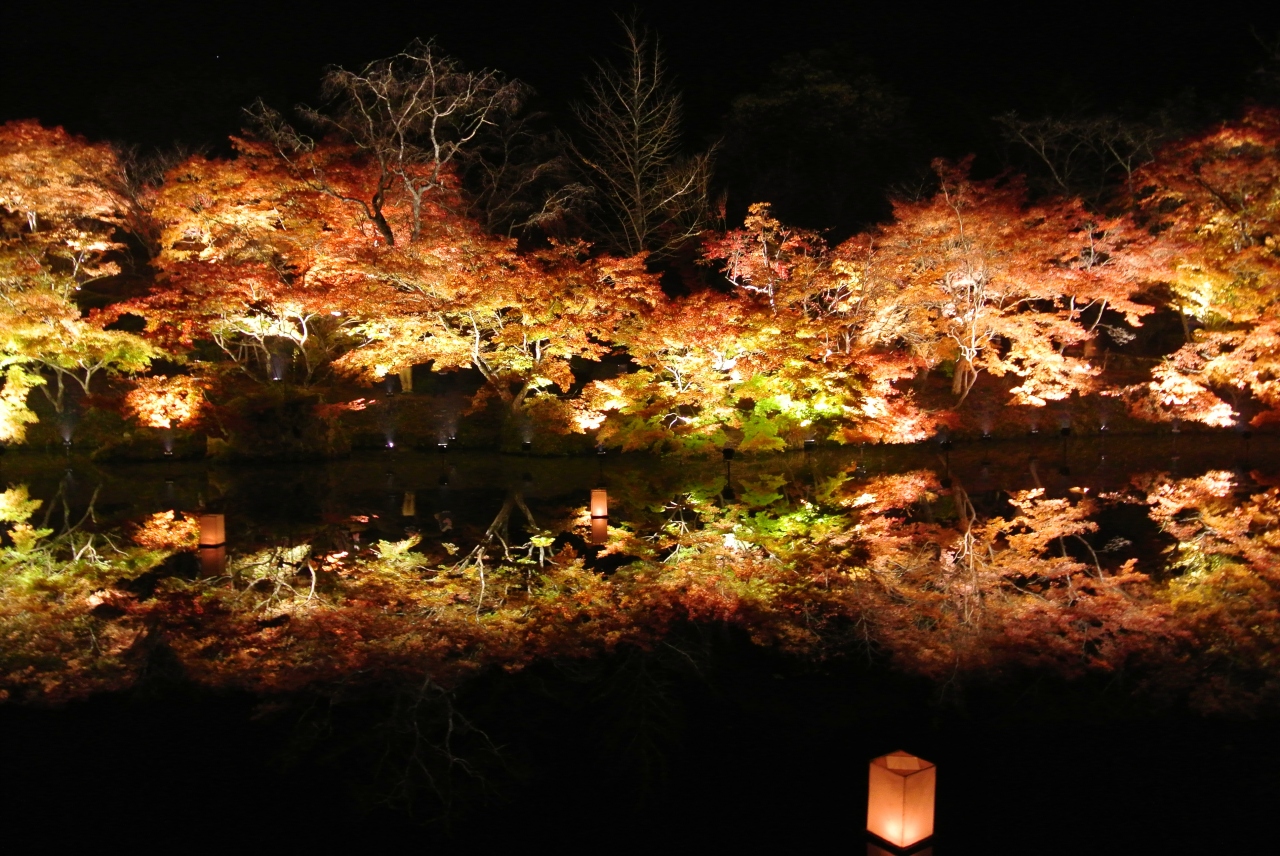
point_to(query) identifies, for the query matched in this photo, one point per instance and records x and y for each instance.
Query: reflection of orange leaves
(165, 530)
(165, 402)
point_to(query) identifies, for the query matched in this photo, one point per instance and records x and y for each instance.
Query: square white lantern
(900, 797)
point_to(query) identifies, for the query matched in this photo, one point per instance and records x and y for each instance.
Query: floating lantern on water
(213, 530)
(900, 798)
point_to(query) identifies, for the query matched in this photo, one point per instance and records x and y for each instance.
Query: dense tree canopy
(273, 269)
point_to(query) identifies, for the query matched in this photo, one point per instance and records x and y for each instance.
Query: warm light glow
(165, 402)
(213, 561)
(409, 507)
(213, 530)
(165, 531)
(599, 530)
(599, 503)
(900, 798)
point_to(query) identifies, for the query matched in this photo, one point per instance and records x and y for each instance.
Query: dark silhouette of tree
(820, 140)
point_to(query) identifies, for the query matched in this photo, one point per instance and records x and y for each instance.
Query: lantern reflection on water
(900, 798)
(213, 561)
(599, 531)
(213, 545)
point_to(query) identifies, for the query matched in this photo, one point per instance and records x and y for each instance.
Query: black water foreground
(715, 733)
(734, 749)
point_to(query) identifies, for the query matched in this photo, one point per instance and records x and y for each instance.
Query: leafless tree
(1267, 74)
(412, 113)
(519, 176)
(1084, 155)
(653, 198)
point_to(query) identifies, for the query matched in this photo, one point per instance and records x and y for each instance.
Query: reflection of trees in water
(409, 745)
(967, 568)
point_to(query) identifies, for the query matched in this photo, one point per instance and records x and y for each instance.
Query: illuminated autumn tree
(256, 263)
(1215, 202)
(410, 115)
(165, 402)
(62, 207)
(993, 283)
(287, 281)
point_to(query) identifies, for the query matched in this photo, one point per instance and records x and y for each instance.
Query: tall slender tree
(654, 198)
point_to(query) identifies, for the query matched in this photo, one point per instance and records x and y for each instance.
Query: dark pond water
(703, 740)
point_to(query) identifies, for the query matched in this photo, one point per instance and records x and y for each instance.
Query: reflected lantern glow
(900, 798)
(599, 531)
(213, 561)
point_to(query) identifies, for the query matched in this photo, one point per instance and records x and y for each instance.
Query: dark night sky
(155, 73)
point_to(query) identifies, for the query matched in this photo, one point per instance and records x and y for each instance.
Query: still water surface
(702, 736)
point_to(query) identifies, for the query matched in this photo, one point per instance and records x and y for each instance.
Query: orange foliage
(165, 402)
(166, 530)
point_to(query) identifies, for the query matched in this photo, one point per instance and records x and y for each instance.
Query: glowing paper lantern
(409, 507)
(900, 798)
(213, 530)
(599, 516)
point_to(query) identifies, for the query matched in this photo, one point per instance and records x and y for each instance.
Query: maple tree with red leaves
(1214, 201)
